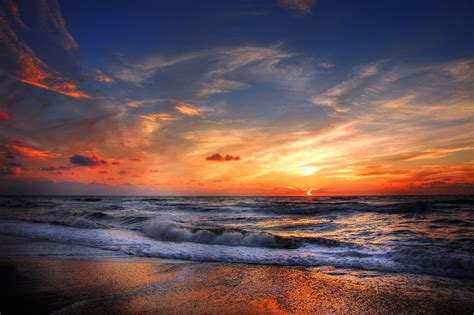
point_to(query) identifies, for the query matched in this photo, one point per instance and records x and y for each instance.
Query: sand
(98, 284)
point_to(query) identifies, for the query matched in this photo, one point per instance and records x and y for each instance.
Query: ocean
(425, 235)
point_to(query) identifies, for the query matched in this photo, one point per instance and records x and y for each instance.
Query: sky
(277, 97)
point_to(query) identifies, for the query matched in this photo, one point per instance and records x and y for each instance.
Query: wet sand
(79, 285)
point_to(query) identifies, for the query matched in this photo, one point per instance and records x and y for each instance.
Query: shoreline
(85, 281)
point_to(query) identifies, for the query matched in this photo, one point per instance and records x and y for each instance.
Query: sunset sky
(288, 97)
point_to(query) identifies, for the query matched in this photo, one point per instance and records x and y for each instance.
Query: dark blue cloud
(81, 160)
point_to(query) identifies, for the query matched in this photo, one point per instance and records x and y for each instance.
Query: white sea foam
(134, 243)
(170, 231)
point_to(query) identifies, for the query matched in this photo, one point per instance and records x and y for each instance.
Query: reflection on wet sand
(128, 285)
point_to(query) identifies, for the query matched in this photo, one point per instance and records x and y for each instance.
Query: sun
(309, 193)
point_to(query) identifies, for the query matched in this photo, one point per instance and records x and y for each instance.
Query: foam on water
(417, 234)
(170, 231)
(137, 244)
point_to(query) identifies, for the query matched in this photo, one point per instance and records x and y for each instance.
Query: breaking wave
(169, 231)
(406, 260)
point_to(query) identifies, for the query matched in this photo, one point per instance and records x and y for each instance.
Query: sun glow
(308, 171)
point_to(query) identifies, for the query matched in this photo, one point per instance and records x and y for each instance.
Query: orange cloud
(138, 158)
(30, 68)
(436, 153)
(188, 109)
(162, 116)
(5, 116)
(31, 152)
(34, 72)
(100, 76)
(217, 157)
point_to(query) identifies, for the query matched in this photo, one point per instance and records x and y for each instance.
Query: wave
(453, 222)
(27, 203)
(171, 232)
(408, 260)
(323, 207)
(97, 215)
(84, 224)
(87, 199)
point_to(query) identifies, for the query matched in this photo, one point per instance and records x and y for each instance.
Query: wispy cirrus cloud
(24, 64)
(219, 86)
(435, 153)
(139, 103)
(34, 72)
(341, 97)
(188, 109)
(30, 152)
(160, 116)
(217, 67)
(51, 19)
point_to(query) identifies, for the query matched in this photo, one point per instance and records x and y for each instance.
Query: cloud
(9, 155)
(188, 109)
(216, 157)
(219, 86)
(161, 116)
(53, 22)
(148, 101)
(218, 63)
(101, 77)
(4, 116)
(138, 158)
(81, 160)
(31, 152)
(22, 62)
(300, 7)
(124, 172)
(461, 70)
(55, 168)
(155, 171)
(435, 153)
(327, 65)
(10, 171)
(13, 164)
(343, 97)
(35, 72)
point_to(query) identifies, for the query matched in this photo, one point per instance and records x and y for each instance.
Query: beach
(83, 280)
